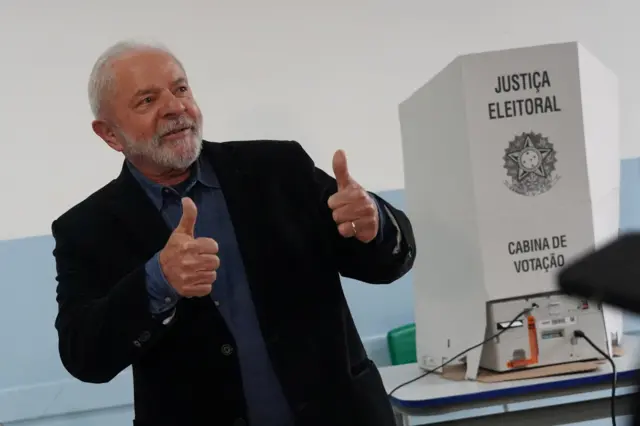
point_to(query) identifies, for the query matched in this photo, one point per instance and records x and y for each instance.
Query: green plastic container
(402, 344)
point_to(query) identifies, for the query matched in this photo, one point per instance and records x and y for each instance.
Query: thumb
(340, 169)
(189, 215)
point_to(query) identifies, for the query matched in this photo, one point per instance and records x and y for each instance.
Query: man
(213, 268)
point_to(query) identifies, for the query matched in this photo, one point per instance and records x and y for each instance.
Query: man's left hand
(354, 211)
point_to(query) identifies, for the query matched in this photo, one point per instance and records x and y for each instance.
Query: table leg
(401, 419)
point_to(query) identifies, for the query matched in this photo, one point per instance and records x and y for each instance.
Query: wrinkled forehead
(143, 70)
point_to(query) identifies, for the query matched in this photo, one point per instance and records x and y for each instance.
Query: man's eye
(145, 101)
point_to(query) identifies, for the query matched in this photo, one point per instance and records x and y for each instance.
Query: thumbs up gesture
(354, 211)
(188, 263)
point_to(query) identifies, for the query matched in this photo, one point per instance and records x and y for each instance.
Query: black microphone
(610, 274)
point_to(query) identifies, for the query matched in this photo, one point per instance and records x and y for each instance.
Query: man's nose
(173, 106)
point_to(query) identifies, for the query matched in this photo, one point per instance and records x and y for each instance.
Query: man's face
(150, 113)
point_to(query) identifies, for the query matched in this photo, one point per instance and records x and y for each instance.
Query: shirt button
(145, 336)
(226, 350)
(216, 303)
(167, 300)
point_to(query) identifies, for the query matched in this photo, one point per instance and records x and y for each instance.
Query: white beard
(164, 154)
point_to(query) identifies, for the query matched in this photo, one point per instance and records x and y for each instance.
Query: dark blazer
(293, 255)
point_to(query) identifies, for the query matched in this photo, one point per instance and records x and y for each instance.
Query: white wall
(329, 74)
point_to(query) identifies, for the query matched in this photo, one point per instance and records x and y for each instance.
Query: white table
(549, 401)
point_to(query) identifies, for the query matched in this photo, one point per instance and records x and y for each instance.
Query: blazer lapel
(245, 203)
(138, 214)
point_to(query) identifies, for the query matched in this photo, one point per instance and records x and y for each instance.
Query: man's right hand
(188, 263)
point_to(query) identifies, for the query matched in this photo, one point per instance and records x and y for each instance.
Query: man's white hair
(101, 78)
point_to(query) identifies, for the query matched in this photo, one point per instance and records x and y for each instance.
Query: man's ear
(107, 134)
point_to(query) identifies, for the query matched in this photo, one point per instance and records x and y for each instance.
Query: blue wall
(35, 390)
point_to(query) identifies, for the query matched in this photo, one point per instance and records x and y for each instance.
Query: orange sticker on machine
(533, 347)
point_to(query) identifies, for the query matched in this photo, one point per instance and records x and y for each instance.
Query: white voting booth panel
(511, 162)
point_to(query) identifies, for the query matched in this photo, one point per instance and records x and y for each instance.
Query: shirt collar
(205, 174)
(201, 172)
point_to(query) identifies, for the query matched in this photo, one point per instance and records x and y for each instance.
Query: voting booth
(512, 169)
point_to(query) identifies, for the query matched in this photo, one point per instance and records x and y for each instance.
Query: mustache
(181, 123)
